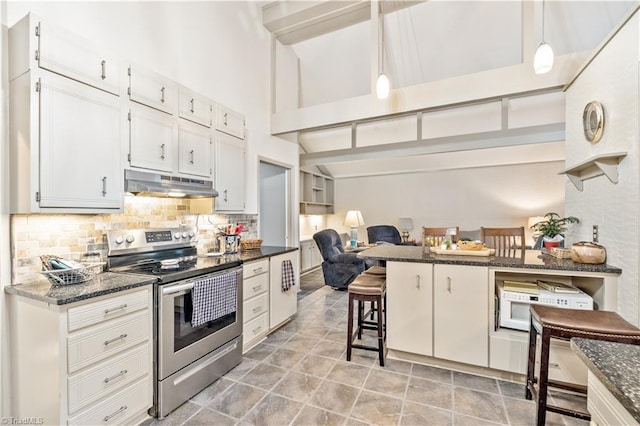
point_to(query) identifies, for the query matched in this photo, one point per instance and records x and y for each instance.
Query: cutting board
(485, 252)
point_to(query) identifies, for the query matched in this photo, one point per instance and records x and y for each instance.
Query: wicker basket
(251, 244)
(558, 252)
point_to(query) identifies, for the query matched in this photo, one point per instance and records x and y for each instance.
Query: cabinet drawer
(114, 307)
(108, 376)
(255, 328)
(256, 306)
(255, 285)
(117, 409)
(255, 268)
(93, 344)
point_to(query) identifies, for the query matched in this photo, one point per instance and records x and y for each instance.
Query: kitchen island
(443, 309)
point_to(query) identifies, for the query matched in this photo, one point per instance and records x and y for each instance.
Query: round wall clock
(593, 121)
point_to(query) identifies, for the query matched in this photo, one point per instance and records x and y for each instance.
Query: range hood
(159, 185)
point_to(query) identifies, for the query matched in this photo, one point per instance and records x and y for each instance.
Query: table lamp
(353, 220)
(406, 225)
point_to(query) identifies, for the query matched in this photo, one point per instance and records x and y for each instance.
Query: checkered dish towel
(214, 297)
(288, 277)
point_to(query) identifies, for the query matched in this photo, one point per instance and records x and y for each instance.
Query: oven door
(180, 344)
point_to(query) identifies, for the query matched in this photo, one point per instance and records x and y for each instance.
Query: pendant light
(543, 59)
(382, 85)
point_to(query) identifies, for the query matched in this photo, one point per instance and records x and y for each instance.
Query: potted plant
(553, 228)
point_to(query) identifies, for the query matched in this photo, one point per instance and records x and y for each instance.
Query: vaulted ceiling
(427, 42)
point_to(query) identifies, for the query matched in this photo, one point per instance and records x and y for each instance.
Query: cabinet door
(316, 256)
(151, 89)
(305, 255)
(80, 133)
(229, 121)
(282, 304)
(195, 107)
(67, 54)
(461, 313)
(410, 307)
(152, 136)
(229, 172)
(195, 144)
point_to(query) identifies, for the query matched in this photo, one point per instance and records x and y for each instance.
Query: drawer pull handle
(256, 270)
(115, 413)
(162, 95)
(257, 330)
(257, 309)
(115, 376)
(104, 71)
(225, 119)
(192, 110)
(120, 337)
(554, 365)
(449, 284)
(418, 282)
(104, 186)
(191, 157)
(257, 287)
(162, 152)
(117, 308)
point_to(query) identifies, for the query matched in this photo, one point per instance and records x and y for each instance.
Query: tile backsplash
(74, 235)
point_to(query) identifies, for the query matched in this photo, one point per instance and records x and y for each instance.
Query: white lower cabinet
(410, 307)
(604, 407)
(255, 307)
(282, 304)
(461, 313)
(84, 363)
(310, 256)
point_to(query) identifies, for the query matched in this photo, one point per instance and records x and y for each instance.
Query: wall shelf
(605, 164)
(316, 193)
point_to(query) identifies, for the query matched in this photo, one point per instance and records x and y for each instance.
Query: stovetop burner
(168, 254)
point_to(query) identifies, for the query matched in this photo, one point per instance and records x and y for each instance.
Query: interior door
(275, 213)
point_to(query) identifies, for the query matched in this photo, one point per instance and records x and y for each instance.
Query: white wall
(612, 78)
(468, 198)
(217, 48)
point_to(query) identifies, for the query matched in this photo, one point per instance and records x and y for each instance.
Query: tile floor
(299, 376)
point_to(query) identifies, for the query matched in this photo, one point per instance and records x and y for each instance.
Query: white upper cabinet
(67, 54)
(229, 173)
(196, 146)
(229, 121)
(195, 107)
(152, 89)
(152, 139)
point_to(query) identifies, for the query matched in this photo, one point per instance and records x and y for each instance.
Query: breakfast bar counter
(532, 259)
(444, 309)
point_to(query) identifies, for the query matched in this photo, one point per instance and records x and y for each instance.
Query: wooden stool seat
(367, 288)
(559, 323)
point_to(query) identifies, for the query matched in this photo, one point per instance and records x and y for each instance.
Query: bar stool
(367, 288)
(565, 324)
(378, 271)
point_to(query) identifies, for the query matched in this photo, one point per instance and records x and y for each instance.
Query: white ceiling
(437, 39)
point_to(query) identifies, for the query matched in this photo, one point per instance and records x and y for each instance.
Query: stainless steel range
(187, 356)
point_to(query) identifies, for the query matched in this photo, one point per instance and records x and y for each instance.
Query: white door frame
(291, 238)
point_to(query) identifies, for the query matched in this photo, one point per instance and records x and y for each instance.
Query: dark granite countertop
(104, 283)
(111, 282)
(530, 259)
(616, 365)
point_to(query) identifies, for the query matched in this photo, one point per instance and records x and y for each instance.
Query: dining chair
(503, 239)
(435, 236)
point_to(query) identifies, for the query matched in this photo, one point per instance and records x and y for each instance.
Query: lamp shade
(543, 59)
(353, 219)
(382, 86)
(405, 223)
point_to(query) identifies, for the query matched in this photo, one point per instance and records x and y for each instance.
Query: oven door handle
(177, 288)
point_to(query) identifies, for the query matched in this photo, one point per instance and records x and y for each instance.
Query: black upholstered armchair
(339, 268)
(385, 234)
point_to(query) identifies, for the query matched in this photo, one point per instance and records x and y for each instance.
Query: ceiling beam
(495, 139)
(295, 21)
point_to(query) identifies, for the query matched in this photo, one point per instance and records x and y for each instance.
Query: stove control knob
(130, 239)
(119, 239)
(176, 235)
(191, 234)
(184, 235)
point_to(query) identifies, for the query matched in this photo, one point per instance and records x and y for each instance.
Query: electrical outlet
(595, 233)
